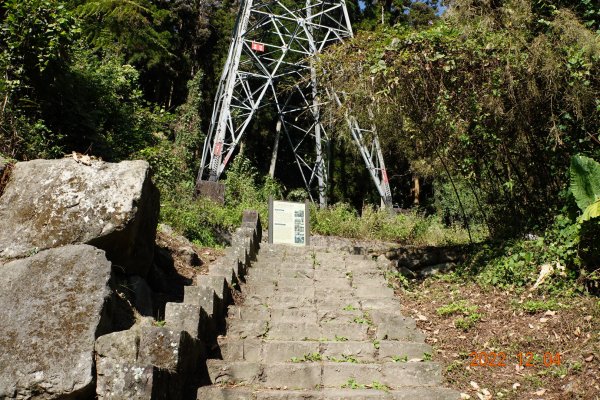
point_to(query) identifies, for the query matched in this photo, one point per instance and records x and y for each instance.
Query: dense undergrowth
(206, 222)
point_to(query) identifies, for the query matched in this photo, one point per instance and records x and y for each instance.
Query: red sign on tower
(258, 47)
(385, 177)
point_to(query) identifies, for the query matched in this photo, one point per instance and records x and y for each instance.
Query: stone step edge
(218, 392)
(376, 351)
(204, 306)
(324, 374)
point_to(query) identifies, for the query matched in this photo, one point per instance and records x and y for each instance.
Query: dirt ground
(188, 258)
(562, 336)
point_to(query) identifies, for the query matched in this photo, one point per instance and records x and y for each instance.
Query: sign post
(289, 222)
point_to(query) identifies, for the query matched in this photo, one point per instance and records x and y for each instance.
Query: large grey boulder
(52, 203)
(52, 309)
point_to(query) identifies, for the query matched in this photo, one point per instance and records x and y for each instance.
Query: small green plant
(310, 357)
(466, 323)
(160, 323)
(575, 366)
(380, 386)
(341, 338)
(344, 358)
(361, 320)
(457, 307)
(535, 306)
(352, 384)
(454, 365)
(33, 252)
(400, 359)
(376, 344)
(315, 263)
(349, 307)
(469, 313)
(396, 279)
(427, 356)
(559, 371)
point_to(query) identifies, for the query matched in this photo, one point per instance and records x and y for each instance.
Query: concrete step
(310, 375)
(257, 350)
(316, 324)
(358, 329)
(318, 315)
(247, 393)
(341, 287)
(307, 331)
(309, 298)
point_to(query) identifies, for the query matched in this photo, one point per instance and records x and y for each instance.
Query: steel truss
(271, 62)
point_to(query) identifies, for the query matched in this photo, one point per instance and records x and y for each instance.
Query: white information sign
(289, 223)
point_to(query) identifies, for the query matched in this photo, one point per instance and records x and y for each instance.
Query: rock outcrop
(52, 309)
(78, 273)
(52, 203)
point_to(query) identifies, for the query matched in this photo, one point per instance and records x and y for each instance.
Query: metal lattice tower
(271, 63)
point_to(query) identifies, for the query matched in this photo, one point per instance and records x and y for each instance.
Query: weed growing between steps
(353, 384)
(463, 319)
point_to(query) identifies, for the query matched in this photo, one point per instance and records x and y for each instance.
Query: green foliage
(353, 384)
(380, 386)
(342, 220)
(35, 37)
(202, 220)
(466, 323)
(567, 249)
(466, 100)
(187, 126)
(344, 358)
(58, 96)
(142, 42)
(107, 114)
(167, 166)
(457, 307)
(585, 185)
(190, 217)
(468, 314)
(311, 357)
(396, 279)
(535, 306)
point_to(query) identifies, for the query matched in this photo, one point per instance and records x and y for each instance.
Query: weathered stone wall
(413, 261)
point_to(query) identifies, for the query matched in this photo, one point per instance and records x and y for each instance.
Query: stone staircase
(316, 324)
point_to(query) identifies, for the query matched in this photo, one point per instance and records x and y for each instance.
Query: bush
(379, 224)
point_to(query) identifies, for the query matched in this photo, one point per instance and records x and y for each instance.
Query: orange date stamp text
(523, 359)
